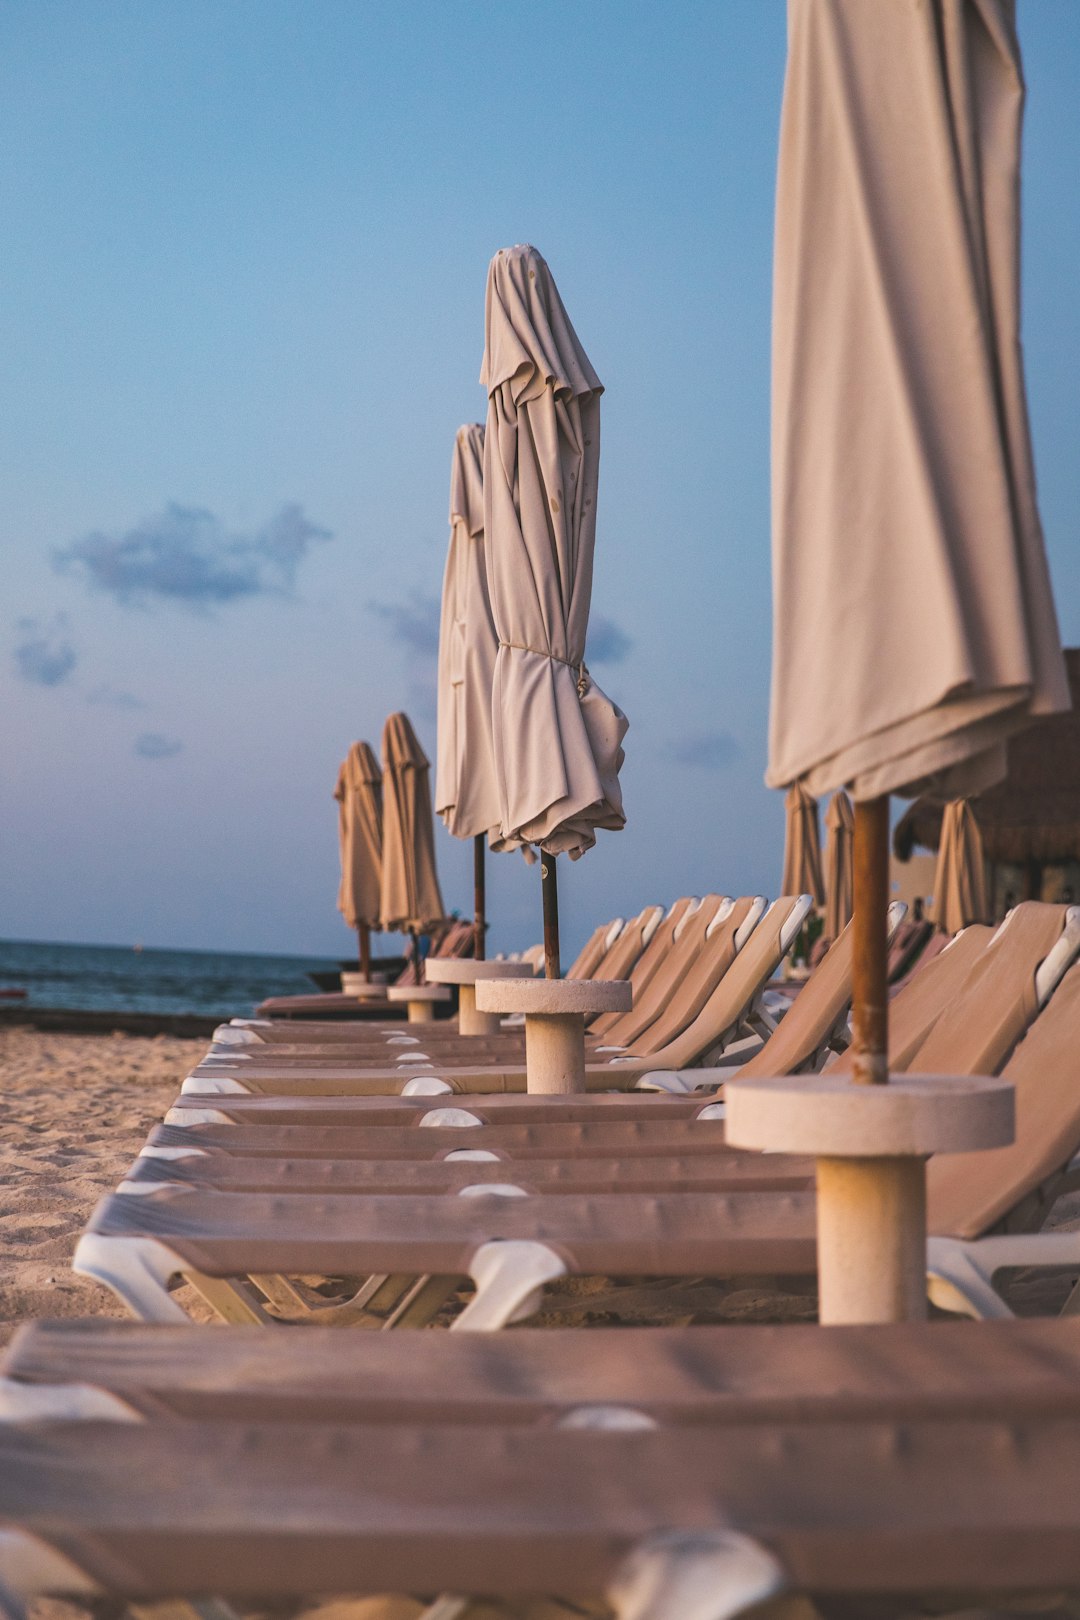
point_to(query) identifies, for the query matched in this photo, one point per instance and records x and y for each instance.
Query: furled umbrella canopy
(359, 797)
(802, 845)
(557, 737)
(914, 627)
(410, 900)
(466, 790)
(839, 871)
(960, 879)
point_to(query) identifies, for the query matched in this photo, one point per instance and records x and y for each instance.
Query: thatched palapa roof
(1034, 814)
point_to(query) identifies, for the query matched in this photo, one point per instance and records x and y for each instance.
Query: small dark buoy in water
(137, 946)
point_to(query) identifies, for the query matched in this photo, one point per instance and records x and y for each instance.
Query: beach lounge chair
(510, 1245)
(684, 966)
(875, 1464)
(734, 1005)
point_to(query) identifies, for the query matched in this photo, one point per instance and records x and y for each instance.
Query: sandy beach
(74, 1111)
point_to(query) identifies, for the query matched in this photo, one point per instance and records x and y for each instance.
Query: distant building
(1030, 822)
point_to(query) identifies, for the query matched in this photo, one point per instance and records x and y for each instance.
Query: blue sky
(241, 301)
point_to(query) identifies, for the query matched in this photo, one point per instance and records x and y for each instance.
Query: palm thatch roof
(1034, 814)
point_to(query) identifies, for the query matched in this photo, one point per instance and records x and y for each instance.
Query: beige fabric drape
(410, 897)
(557, 737)
(914, 627)
(960, 879)
(839, 867)
(359, 797)
(466, 790)
(802, 846)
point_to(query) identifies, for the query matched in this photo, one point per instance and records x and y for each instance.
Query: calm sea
(118, 979)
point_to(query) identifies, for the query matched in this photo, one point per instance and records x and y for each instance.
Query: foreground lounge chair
(698, 1475)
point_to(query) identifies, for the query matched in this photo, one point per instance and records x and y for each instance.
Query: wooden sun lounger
(663, 1522)
(683, 973)
(792, 1373)
(981, 1209)
(735, 1000)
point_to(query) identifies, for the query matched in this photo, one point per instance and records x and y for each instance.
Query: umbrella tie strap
(541, 652)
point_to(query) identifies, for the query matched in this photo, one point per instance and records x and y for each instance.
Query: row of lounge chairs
(680, 1472)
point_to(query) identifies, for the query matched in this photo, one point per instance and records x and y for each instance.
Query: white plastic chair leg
(509, 1278)
(138, 1270)
(697, 1575)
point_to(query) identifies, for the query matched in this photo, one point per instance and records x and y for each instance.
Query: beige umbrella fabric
(359, 796)
(557, 737)
(839, 865)
(914, 626)
(410, 901)
(960, 878)
(466, 789)
(802, 846)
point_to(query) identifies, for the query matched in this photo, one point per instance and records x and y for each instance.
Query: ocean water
(115, 978)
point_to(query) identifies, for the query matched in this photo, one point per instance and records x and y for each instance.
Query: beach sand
(74, 1112)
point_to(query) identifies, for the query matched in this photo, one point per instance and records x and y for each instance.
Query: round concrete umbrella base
(555, 1012)
(466, 975)
(420, 1000)
(870, 1143)
(354, 984)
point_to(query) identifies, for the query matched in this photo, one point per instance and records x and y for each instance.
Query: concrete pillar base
(467, 975)
(420, 1000)
(871, 1144)
(555, 1012)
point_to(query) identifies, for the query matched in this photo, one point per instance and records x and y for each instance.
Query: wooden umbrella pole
(870, 1005)
(365, 950)
(417, 958)
(549, 884)
(479, 899)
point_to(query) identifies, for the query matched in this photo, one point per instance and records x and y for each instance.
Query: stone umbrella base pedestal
(555, 1012)
(871, 1144)
(420, 1000)
(467, 975)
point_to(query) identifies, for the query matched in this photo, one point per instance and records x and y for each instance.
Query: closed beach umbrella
(358, 792)
(410, 901)
(914, 628)
(802, 845)
(557, 737)
(466, 789)
(914, 624)
(960, 878)
(839, 872)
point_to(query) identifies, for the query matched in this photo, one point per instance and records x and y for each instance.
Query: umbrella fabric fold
(557, 738)
(839, 865)
(466, 789)
(914, 627)
(410, 900)
(802, 846)
(359, 796)
(960, 877)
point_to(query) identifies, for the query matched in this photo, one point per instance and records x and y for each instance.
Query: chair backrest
(1000, 996)
(968, 1193)
(653, 957)
(618, 962)
(818, 1008)
(594, 949)
(929, 992)
(907, 946)
(686, 941)
(740, 986)
(697, 978)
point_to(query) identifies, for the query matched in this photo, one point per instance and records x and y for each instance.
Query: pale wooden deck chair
(732, 1006)
(658, 1519)
(686, 966)
(136, 1244)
